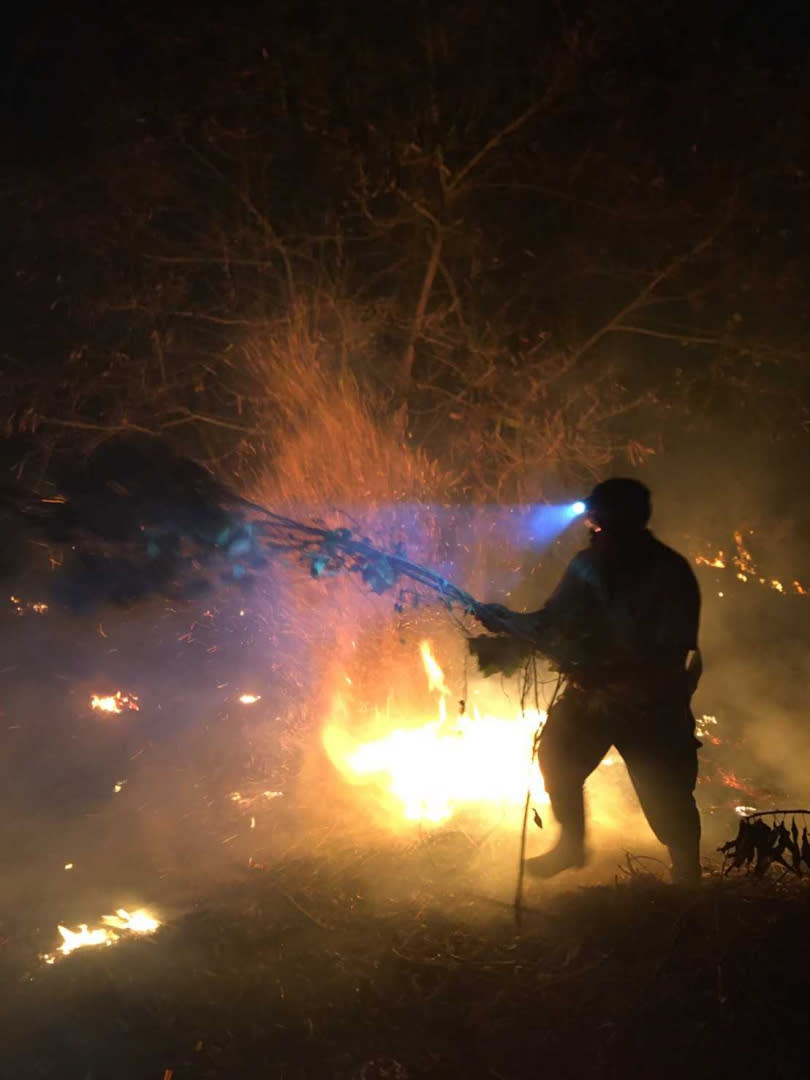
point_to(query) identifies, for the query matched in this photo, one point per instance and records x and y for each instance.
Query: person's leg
(662, 763)
(572, 744)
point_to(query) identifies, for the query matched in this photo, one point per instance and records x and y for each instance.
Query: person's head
(619, 506)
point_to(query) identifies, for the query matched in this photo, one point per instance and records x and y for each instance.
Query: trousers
(657, 742)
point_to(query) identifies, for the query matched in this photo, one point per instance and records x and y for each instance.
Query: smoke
(736, 492)
(198, 789)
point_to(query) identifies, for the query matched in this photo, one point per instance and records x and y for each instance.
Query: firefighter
(622, 627)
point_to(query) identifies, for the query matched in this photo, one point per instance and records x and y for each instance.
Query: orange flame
(114, 703)
(719, 560)
(745, 567)
(427, 773)
(123, 921)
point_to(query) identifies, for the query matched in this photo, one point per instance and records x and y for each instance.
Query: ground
(304, 950)
(394, 964)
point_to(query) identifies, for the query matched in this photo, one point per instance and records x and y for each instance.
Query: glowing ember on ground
(745, 567)
(250, 699)
(114, 703)
(736, 783)
(719, 560)
(702, 726)
(21, 606)
(123, 921)
(477, 761)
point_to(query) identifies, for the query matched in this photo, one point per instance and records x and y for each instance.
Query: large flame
(427, 772)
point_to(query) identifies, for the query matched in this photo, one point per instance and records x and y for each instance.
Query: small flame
(83, 938)
(435, 675)
(731, 780)
(21, 606)
(746, 569)
(743, 560)
(136, 922)
(719, 560)
(250, 699)
(114, 703)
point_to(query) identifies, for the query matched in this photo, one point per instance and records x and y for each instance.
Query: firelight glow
(427, 773)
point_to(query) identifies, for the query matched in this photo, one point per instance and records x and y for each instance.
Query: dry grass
(330, 435)
(391, 965)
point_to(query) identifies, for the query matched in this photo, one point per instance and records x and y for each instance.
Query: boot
(567, 854)
(686, 868)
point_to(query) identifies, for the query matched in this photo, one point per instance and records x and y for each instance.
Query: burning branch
(137, 520)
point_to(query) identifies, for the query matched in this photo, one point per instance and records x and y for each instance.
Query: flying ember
(249, 699)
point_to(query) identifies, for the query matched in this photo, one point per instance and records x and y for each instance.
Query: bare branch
(683, 339)
(669, 271)
(218, 319)
(421, 306)
(492, 144)
(86, 425)
(262, 220)
(201, 418)
(514, 125)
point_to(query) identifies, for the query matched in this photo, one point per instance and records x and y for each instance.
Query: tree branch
(641, 298)
(422, 303)
(684, 339)
(514, 125)
(492, 144)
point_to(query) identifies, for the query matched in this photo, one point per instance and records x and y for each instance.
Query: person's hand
(494, 617)
(501, 654)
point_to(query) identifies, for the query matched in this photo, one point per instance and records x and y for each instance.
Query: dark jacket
(627, 610)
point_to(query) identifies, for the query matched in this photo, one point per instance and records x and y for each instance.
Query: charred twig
(759, 846)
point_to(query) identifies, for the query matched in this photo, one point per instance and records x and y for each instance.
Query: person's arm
(533, 626)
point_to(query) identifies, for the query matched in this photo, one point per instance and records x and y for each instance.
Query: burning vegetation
(431, 772)
(111, 930)
(114, 703)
